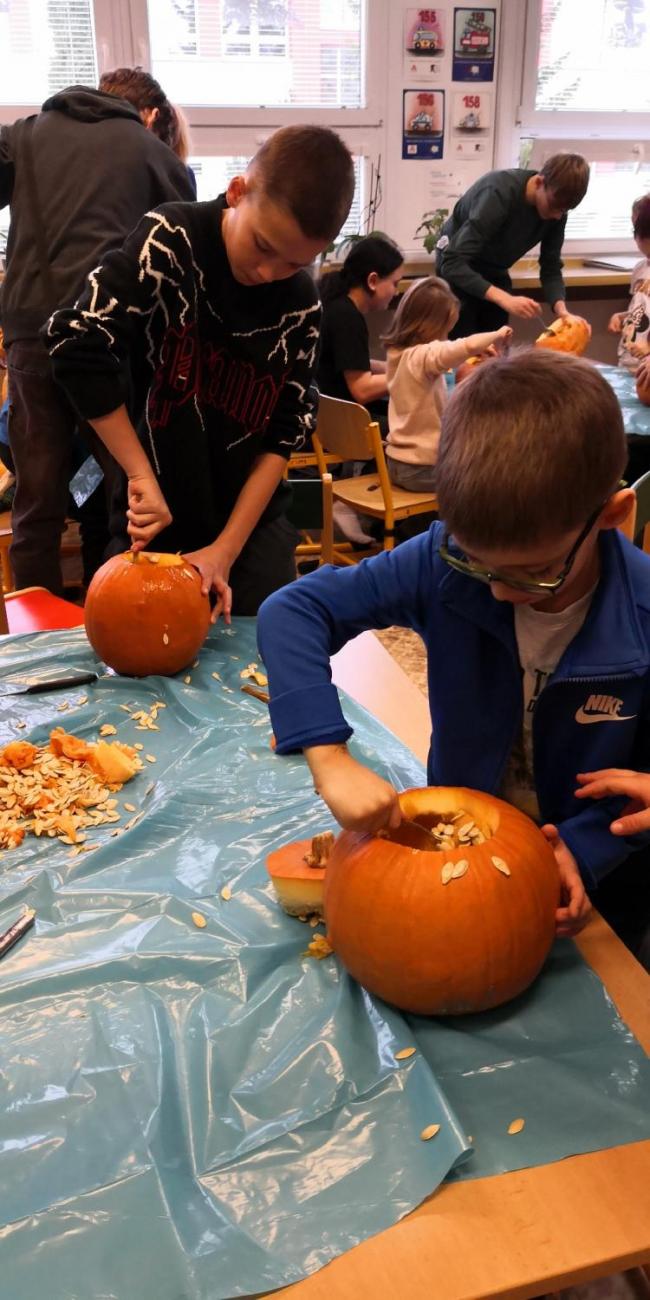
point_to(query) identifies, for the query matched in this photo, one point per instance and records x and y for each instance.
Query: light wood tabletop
(518, 1234)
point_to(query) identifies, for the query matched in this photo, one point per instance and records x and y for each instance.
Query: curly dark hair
(143, 91)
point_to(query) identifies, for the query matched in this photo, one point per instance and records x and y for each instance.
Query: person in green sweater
(498, 220)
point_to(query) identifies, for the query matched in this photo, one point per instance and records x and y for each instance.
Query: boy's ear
(617, 509)
(237, 190)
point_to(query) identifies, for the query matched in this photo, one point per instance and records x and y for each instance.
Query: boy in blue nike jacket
(534, 610)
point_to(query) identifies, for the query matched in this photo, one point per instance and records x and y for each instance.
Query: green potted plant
(430, 226)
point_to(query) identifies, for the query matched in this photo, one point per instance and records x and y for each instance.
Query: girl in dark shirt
(366, 282)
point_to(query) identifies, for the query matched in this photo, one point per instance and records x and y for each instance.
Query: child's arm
(358, 798)
(616, 322)
(550, 266)
(301, 626)
(90, 345)
(148, 512)
(619, 781)
(442, 355)
(214, 562)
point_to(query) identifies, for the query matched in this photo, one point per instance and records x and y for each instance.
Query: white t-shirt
(634, 343)
(542, 639)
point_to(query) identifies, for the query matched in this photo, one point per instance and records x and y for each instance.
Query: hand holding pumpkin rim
(360, 800)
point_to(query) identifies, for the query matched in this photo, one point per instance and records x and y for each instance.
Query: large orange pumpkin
(643, 387)
(566, 334)
(440, 932)
(145, 613)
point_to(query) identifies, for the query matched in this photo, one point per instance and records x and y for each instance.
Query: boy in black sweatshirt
(500, 218)
(211, 306)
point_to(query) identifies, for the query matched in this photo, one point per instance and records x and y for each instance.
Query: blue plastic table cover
(636, 416)
(193, 1114)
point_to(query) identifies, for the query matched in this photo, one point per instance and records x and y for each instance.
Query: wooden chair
(346, 431)
(641, 527)
(310, 511)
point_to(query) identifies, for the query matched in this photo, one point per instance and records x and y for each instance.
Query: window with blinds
(45, 45)
(593, 58)
(213, 175)
(605, 210)
(259, 53)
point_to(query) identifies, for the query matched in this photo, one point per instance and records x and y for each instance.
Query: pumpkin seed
(405, 1052)
(129, 807)
(226, 893)
(447, 872)
(187, 680)
(165, 639)
(199, 920)
(516, 1126)
(108, 729)
(501, 866)
(459, 869)
(429, 1132)
(150, 758)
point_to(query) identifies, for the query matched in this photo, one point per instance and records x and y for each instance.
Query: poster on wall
(471, 123)
(474, 44)
(423, 123)
(424, 43)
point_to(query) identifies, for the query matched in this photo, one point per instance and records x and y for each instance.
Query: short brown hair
(427, 311)
(142, 90)
(531, 445)
(566, 177)
(641, 217)
(308, 171)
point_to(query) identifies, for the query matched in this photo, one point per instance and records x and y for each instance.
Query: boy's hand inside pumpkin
(358, 798)
(573, 913)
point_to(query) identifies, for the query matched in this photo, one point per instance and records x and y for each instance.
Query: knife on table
(34, 686)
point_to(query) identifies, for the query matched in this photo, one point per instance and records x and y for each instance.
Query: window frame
(373, 75)
(556, 124)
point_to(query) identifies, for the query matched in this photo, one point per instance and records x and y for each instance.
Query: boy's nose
(501, 591)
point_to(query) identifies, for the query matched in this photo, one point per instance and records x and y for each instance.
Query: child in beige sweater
(418, 354)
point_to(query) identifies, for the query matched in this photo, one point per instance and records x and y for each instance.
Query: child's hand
(615, 324)
(358, 798)
(573, 913)
(214, 567)
(148, 512)
(617, 780)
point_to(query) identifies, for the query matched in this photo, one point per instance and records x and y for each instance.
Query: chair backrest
(629, 526)
(344, 428)
(642, 524)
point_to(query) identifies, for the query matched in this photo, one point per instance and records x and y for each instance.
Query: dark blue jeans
(42, 428)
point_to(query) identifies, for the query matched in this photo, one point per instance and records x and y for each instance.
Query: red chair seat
(34, 609)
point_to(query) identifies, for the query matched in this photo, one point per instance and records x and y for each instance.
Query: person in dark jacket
(498, 220)
(78, 177)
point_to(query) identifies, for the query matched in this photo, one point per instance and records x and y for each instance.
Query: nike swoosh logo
(581, 716)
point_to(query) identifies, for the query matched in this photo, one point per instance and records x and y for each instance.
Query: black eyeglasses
(473, 570)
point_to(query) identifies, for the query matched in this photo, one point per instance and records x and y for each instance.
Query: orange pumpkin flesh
(443, 949)
(466, 368)
(566, 334)
(298, 886)
(145, 614)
